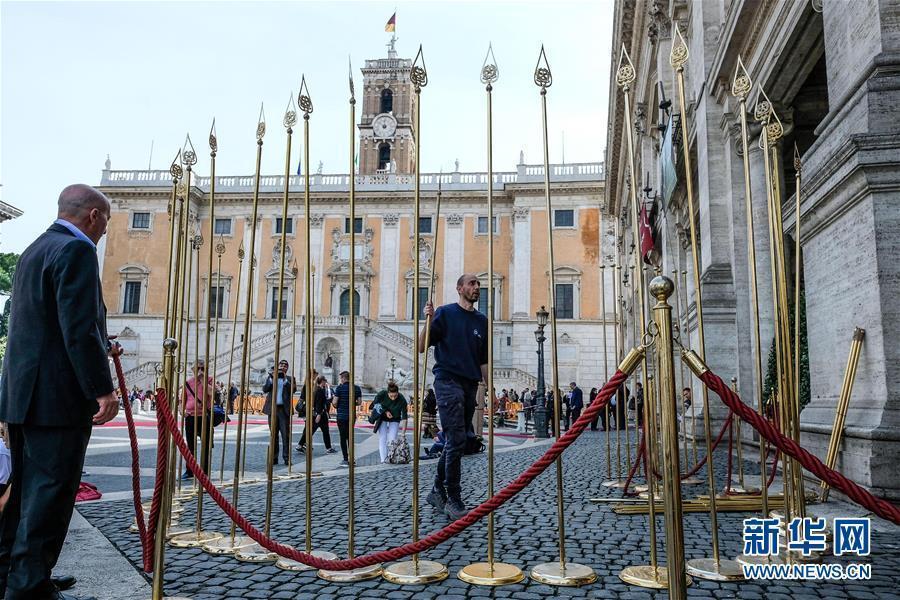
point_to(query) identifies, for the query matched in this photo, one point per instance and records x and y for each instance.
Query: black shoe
(301, 449)
(437, 498)
(187, 476)
(455, 509)
(63, 582)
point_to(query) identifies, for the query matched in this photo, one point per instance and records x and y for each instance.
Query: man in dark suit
(576, 403)
(284, 393)
(56, 383)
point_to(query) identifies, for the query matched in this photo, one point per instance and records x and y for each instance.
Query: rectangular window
(290, 225)
(565, 301)
(273, 306)
(482, 225)
(357, 225)
(423, 298)
(132, 303)
(217, 301)
(564, 218)
(483, 305)
(425, 225)
(222, 227)
(140, 220)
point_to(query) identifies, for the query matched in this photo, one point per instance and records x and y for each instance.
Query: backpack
(398, 451)
(474, 445)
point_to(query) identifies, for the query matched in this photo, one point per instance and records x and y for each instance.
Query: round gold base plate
(361, 574)
(194, 539)
(706, 568)
(573, 574)
(644, 576)
(614, 483)
(255, 554)
(743, 490)
(175, 530)
(412, 572)
(226, 545)
(286, 564)
(743, 559)
(497, 573)
(657, 497)
(691, 481)
(289, 476)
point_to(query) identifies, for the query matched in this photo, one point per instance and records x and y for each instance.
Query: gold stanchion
(416, 571)
(490, 572)
(305, 103)
(375, 570)
(741, 489)
(199, 537)
(237, 295)
(233, 543)
(618, 482)
(605, 364)
(687, 319)
(651, 576)
(715, 568)
(840, 414)
(560, 572)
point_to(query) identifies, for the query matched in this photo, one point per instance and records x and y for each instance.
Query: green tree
(8, 262)
(771, 372)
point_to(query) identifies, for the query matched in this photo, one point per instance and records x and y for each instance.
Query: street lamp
(393, 365)
(540, 410)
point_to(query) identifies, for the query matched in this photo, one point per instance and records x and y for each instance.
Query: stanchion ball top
(170, 344)
(662, 287)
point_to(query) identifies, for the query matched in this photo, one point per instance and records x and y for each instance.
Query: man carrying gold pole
(715, 568)
(560, 572)
(490, 572)
(417, 571)
(375, 570)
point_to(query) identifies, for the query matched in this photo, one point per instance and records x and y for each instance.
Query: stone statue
(319, 170)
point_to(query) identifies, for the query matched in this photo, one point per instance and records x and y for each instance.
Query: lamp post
(393, 366)
(540, 409)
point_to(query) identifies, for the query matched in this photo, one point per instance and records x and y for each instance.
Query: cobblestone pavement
(526, 535)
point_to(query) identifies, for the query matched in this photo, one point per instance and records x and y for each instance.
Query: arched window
(387, 101)
(384, 156)
(345, 303)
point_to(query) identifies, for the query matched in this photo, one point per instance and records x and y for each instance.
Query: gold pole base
(415, 572)
(691, 481)
(255, 554)
(173, 598)
(743, 559)
(289, 476)
(614, 483)
(250, 481)
(286, 564)
(361, 574)
(648, 577)
(707, 568)
(739, 490)
(133, 528)
(657, 497)
(227, 545)
(184, 495)
(194, 539)
(570, 574)
(175, 530)
(496, 573)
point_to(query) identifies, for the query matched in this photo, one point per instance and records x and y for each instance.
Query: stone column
(390, 260)
(453, 256)
(520, 287)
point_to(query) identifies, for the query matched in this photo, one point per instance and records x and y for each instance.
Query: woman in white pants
(393, 410)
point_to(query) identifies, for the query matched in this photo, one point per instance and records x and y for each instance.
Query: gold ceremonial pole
(605, 363)
(234, 543)
(559, 572)
(617, 482)
(220, 250)
(416, 571)
(652, 575)
(715, 568)
(375, 570)
(840, 414)
(687, 323)
(175, 208)
(801, 494)
(237, 295)
(490, 572)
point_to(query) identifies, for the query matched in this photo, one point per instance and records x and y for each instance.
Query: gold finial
(240, 252)
(294, 270)
(490, 73)
(625, 71)
(419, 74)
(679, 54)
(303, 99)
(188, 155)
(352, 90)
(543, 77)
(261, 124)
(290, 113)
(763, 107)
(197, 242)
(741, 84)
(797, 164)
(175, 168)
(220, 246)
(774, 128)
(213, 141)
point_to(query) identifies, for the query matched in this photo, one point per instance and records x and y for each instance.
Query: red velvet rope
(810, 462)
(165, 419)
(641, 452)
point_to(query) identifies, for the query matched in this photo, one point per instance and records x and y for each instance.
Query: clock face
(384, 126)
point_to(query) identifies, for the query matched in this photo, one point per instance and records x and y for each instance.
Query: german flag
(392, 22)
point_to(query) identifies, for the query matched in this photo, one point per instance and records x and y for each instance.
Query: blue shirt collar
(76, 232)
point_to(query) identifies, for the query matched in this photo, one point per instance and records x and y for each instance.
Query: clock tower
(385, 126)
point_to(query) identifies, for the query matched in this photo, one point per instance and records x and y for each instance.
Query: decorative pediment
(127, 332)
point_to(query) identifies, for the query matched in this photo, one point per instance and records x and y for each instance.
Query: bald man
(459, 336)
(56, 385)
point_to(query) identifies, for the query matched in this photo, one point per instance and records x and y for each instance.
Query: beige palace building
(134, 256)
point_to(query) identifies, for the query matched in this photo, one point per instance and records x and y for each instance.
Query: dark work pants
(46, 470)
(283, 425)
(576, 413)
(323, 425)
(456, 407)
(344, 431)
(192, 435)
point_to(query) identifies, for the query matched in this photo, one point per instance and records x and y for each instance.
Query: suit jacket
(56, 363)
(288, 386)
(577, 398)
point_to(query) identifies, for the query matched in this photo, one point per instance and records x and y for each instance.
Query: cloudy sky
(81, 80)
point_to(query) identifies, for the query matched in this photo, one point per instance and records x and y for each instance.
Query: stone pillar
(453, 256)
(521, 279)
(390, 260)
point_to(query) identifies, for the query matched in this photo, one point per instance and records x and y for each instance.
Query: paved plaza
(526, 529)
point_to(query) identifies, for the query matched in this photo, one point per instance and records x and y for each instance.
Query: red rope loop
(810, 462)
(482, 510)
